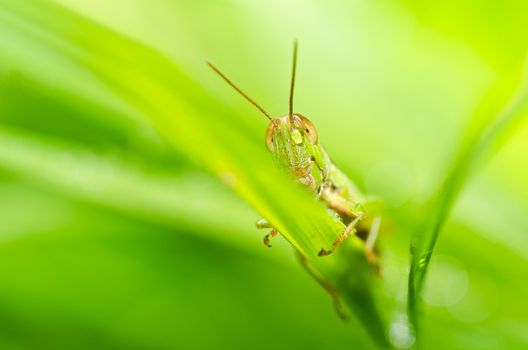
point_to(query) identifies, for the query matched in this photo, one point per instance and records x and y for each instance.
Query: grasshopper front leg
(351, 228)
(263, 223)
(370, 243)
(345, 208)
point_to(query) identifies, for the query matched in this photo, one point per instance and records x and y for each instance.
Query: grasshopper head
(291, 139)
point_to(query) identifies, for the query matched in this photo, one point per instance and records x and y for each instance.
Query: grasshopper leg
(263, 223)
(266, 239)
(325, 284)
(351, 228)
(345, 208)
(371, 240)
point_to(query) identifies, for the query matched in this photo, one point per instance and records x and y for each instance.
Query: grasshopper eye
(269, 136)
(309, 129)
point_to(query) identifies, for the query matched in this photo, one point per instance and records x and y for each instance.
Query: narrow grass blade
(501, 110)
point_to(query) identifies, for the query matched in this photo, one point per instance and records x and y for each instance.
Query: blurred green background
(117, 230)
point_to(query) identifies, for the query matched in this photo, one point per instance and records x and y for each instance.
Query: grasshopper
(294, 143)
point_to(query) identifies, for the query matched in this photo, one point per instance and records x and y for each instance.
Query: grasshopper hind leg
(329, 287)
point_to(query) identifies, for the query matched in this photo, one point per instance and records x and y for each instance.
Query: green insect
(295, 146)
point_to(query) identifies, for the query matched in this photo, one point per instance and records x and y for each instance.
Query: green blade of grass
(505, 105)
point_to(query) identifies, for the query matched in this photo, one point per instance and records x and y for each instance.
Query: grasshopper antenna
(238, 90)
(292, 85)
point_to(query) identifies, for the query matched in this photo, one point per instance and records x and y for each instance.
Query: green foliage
(119, 151)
